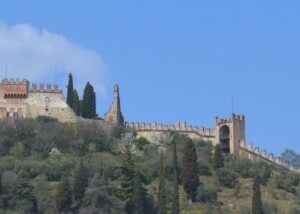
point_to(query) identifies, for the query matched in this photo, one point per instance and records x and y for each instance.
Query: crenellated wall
(257, 154)
(151, 130)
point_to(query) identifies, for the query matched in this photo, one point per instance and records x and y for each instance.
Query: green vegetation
(89, 102)
(93, 167)
(256, 196)
(190, 175)
(70, 92)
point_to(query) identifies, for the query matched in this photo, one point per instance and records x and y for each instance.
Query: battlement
(48, 89)
(219, 121)
(256, 153)
(179, 126)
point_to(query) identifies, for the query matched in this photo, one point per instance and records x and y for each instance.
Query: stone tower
(230, 133)
(114, 115)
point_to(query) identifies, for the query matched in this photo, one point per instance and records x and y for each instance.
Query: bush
(227, 177)
(293, 210)
(270, 208)
(141, 142)
(46, 119)
(207, 194)
(204, 168)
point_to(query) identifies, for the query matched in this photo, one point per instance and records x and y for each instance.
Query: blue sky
(173, 60)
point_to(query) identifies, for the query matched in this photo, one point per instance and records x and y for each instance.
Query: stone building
(18, 100)
(114, 115)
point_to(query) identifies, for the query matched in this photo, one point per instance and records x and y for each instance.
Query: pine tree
(126, 191)
(80, 181)
(190, 169)
(161, 199)
(175, 198)
(76, 103)
(218, 157)
(70, 93)
(139, 194)
(256, 197)
(64, 195)
(89, 102)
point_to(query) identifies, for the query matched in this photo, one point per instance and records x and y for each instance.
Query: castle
(19, 100)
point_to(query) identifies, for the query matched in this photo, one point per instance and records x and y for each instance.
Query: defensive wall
(152, 131)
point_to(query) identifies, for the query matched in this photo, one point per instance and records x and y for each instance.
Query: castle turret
(114, 115)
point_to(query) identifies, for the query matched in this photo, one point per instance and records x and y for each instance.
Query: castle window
(47, 108)
(47, 100)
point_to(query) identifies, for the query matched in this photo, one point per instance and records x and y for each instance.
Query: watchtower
(230, 133)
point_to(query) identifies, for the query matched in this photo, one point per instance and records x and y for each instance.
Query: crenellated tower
(230, 133)
(114, 115)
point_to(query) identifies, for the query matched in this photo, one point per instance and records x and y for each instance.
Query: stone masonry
(114, 115)
(18, 100)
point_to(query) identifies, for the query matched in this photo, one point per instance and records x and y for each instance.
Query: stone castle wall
(18, 100)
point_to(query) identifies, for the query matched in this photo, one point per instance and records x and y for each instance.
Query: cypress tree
(80, 181)
(89, 102)
(70, 93)
(161, 199)
(190, 169)
(175, 198)
(76, 103)
(256, 196)
(126, 191)
(64, 195)
(218, 157)
(139, 194)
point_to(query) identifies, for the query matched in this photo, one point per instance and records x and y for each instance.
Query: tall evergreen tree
(161, 199)
(89, 102)
(139, 194)
(64, 195)
(70, 93)
(218, 157)
(256, 196)
(190, 176)
(175, 198)
(126, 191)
(76, 103)
(80, 181)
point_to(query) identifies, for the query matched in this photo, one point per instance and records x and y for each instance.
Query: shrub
(270, 208)
(207, 194)
(141, 142)
(227, 177)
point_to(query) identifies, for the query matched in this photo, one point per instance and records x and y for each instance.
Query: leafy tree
(64, 195)
(218, 157)
(227, 177)
(291, 157)
(76, 103)
(139, 194)
(175, 198)
(207, 194)
(80, 181)
(190, 169)
(257, 207)
(161, 199)
(89, 102)
(23, 197)
(70, 93)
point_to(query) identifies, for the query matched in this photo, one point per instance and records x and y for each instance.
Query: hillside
(38, 155)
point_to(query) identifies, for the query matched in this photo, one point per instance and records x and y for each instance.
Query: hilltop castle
(19, 100)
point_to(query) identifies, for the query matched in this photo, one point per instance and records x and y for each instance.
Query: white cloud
(36, 54)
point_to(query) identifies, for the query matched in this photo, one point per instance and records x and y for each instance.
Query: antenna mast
(232, 105)
(6, 68)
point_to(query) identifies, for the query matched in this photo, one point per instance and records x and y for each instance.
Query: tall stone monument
(114, 115)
